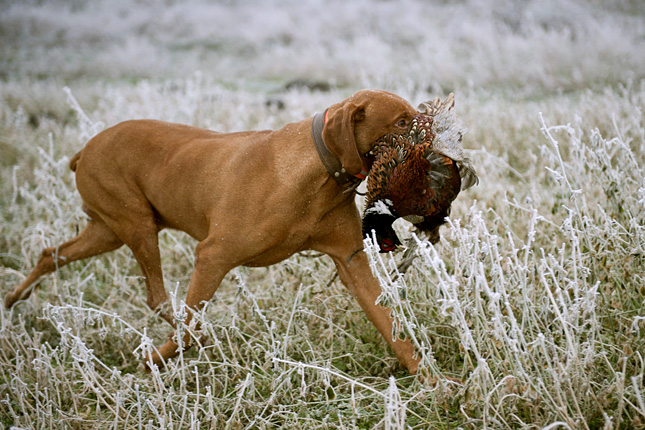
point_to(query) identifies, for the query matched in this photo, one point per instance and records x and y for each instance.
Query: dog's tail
(74, 161)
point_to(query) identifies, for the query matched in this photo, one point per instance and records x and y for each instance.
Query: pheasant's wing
(448, 132)
(435, 106)
(444, 184)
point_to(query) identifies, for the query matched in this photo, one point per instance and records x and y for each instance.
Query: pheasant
(417, 175)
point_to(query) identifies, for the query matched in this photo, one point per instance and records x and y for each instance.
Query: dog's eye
(403, 123)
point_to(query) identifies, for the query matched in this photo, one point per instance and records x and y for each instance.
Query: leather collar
(335, 169)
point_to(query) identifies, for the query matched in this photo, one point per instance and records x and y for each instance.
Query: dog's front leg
(207, 275)
(357, 276)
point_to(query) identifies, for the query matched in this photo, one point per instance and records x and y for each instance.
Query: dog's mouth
(369, 158)
(387, 140)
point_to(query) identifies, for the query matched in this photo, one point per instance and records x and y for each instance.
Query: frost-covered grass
(550, 45)
(533, 298)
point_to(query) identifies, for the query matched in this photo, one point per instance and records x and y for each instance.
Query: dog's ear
(339, 137)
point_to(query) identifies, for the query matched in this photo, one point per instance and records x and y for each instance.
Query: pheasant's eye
(403, 123)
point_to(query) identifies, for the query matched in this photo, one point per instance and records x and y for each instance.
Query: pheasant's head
(378, 219)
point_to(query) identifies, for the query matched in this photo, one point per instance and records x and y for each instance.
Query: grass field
(534, 298)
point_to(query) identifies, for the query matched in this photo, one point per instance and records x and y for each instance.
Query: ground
(533, 299)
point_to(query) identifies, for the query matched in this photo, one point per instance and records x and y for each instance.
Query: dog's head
(356, 123)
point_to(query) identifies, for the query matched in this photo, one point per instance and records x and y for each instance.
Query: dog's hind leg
(140, 233)
(129, 214)
(146, 251)
(96, 238)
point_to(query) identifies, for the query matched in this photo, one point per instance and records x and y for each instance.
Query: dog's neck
(332, 164)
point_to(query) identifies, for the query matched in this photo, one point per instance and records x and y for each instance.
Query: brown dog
(249, 198)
